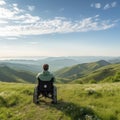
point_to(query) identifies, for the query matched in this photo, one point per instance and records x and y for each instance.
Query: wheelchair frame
(45, 89)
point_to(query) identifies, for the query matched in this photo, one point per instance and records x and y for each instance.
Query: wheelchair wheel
(35, 96)
(55, 95)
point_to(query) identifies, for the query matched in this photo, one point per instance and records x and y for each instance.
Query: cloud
(34, 43)
(3, 22)
(57, 25)
(2, 2)
(15, 15)
(27, 18)
(11, 38)
(110, 5)
(113, 4)
(96, 5)
(18, 22)
(11, 12)
(31, 8)
(105, 7)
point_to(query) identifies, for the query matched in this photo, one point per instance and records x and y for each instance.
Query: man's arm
(38, 79)
(53, 79)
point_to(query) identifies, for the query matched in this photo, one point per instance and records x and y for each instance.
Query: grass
(75, 102)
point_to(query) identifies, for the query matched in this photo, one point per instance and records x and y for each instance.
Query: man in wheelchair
(45, 86)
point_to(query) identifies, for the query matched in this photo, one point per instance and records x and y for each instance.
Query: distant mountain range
(56, 63)
(115, 60)
(66, 69)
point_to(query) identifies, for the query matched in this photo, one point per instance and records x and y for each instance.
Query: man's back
(45, 76)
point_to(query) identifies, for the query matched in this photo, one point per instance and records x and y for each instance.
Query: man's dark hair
(45, 67)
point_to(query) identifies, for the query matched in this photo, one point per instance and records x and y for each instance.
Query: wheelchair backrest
(45, 85)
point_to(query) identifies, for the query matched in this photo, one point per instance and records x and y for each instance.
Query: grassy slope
(75, 102)
(19, 66)
(10, 75)
(104, 74)
(80, 70)
(100, 71)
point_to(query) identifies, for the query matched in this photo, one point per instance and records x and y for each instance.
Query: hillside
(75, 102)
(33, 64)
(10, 75)
(109, 73)
(115, 60)
(80, 70)
(100, 71)
(22, 66)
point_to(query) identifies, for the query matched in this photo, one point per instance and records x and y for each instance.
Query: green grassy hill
(75, 102)
(109, 73)
(100, 71)
(22, 66)
(80, 70)
(10, 75)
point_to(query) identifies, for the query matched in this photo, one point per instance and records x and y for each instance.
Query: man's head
(45, 67)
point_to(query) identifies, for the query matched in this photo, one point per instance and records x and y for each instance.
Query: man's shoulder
(39, 74)
(51, 74)
(43, 74)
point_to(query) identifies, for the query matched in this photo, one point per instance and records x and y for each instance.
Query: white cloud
(113, 4)
(27, 18)
(110, 5)
(3, 22)
(31, 8)
(16, 10)
(107, 6)
(2, 2)
(18, 22)
(16, 15)
(10, 13)
(5, 13)
(57, 25)
(96, 5)
(11, 38)
(34, 43)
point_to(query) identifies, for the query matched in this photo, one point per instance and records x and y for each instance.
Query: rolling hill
(10, 75)
(80, 70)
(22, 66)
(109, 73)
(34, 64)
(100, 71)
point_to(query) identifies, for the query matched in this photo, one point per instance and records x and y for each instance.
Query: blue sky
(59, 28)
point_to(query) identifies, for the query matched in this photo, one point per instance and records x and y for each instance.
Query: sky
(59, 28)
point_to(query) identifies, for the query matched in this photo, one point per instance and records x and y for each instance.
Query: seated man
(45, 77)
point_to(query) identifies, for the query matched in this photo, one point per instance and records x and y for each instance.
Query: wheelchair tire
(55, 95)
(35, 98)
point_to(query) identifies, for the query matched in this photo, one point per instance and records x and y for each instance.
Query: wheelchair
(45, 89)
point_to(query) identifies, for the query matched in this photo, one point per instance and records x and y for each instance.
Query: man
(46, 77)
